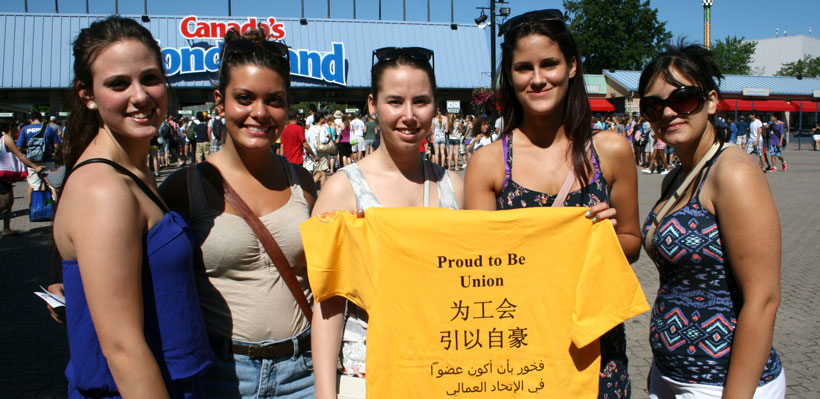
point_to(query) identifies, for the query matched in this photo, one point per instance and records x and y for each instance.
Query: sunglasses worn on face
(544, 15)
(684, 100)
(414, 53)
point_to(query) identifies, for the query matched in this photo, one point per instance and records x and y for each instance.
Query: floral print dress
(614, 382)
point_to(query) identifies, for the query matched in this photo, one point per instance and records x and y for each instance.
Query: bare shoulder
(93, 198)
(610, 144)
(487, 158)
(735, 171)
(336, 194)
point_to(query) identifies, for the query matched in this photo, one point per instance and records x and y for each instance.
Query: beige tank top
(240, 290)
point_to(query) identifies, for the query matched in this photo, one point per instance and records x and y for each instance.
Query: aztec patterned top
(695, 312)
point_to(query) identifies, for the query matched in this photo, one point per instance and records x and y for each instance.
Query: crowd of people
(198, 288)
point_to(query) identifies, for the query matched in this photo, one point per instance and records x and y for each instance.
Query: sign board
(351, 110)
(453, 106)
(6, 114)
(63, 113)
(816, 94)
(185, 112)
(593, 88)
(755, 92)
(201, 57)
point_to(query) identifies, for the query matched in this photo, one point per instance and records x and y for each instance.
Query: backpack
(190, 133)
(36, 147)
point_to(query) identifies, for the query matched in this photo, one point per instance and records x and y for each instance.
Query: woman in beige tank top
(258, 332)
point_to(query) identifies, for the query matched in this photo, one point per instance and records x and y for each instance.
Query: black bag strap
(119, 168)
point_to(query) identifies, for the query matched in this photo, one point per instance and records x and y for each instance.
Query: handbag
(271, 247)
(11, 168)
(325, 148)
(41, 207)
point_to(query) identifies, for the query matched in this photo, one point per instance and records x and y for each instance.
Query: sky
(751, 19)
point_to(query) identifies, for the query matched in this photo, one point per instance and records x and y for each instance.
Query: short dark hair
(35, 116)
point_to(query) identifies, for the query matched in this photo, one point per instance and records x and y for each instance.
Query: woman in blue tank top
(713, 318)
(547, 125)
(133, 319)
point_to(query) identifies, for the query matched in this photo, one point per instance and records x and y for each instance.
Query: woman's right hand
(57, 314)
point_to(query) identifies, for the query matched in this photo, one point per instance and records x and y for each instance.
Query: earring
(92, 106)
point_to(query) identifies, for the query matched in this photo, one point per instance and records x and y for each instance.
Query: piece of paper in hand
(53, 300)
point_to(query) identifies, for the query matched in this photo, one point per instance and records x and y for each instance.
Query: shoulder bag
(11, 168)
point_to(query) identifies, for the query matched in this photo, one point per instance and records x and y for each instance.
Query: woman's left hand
(602, 211)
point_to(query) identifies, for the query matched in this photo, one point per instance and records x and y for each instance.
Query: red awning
(600, 105)
(730, 104)
(808, 106)
(757, 105)
(775, 106)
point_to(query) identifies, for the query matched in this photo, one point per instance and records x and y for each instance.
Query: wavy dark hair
(260, 56)
(83, 123)
(577, 116)
(692, 61)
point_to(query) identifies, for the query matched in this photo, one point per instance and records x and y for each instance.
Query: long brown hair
(577, 116)
(83, 123)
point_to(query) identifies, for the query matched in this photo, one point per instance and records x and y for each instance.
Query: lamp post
(707, 23)
(480, 20)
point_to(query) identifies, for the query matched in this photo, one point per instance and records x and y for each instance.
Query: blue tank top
(695, 311)
(174, 329)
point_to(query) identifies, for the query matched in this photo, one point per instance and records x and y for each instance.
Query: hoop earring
(92, 106)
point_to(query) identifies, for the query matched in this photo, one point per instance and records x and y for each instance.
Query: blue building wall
(36, 48)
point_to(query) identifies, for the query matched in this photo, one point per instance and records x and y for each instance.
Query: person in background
(816, 132)
(259, 335)
(6, 188)
(51, 145)
(732, 126)
(133, 320)
(202, 138)
(547, 136)
(742, 131)
(731, 278)
(294, 143)
(370, 134)
(776, 140)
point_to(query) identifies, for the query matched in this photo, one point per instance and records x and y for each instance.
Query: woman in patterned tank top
(713, 318)
(547, 124)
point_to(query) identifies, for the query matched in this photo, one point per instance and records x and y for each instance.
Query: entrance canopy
(600, 105)
(758, 105)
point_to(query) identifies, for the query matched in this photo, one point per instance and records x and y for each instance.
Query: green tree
(733, 56)
(616, 34)
(808, 67)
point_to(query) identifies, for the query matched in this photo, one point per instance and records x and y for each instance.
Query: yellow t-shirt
(476, 304)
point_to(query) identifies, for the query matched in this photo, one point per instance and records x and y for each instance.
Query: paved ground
(33, 350)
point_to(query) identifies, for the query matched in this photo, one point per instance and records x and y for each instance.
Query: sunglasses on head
(684, 100)
(247, 46)
(543, 15)
(414, 53)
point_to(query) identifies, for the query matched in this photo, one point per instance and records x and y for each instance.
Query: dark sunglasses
(544, 15)
(684, 100)
(247, 46)
(414, 53)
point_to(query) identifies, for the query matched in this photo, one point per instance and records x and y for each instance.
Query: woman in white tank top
(393, 175)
